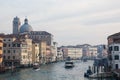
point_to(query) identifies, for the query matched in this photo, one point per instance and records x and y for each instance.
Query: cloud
(70, 21)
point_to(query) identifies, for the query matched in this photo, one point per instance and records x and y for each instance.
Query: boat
(37, 69)
(36, 66)
(88, 73)
(69, 64)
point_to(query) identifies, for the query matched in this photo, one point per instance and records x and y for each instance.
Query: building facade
(17, 51)
(43, 52)
(1, 50)
(59, 54)
(9, 57)
(114, 50)
(54, 51)
(72, 52)
(41, 36)
(35, 52)
(92, 52)
(75, 53)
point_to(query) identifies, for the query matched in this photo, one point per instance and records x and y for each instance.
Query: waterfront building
(25, 50)
(114, 51)
(16, 25)
(75, 53)
(43, 52)
(85, 50)
(8, 55)
(54, 51)
(1, 50)
(59, 54)
(35, 52)
(65, 52)
(92, 52)
(17, 51)
(72, 52)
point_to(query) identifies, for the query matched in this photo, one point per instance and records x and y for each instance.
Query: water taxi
(69, 64)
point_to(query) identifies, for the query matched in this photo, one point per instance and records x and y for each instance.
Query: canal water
(54, 71)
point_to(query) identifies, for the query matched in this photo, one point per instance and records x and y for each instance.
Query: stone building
(17, 51)
(43, 52)
(59, 54)
(114, 51)
(39, 36)
(72, 51)
(35, 52)
(92, 52)
(1, 50)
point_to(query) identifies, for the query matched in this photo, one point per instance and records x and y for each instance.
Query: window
(13, 45)
(9, 40)
(3, 57)
(36, 45)
(8, 57)
(8, 51)
(18, 45)
(9, 45)
(14, 51)
(116, 66)
(4, 51)
(23, 56)
(0, 40)
(116, 57)
(13, 57)
(116, 48)
(110, 48)
(25, 51)
(0, 48)
(4, 45)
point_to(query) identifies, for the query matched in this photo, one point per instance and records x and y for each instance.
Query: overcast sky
(70, 21)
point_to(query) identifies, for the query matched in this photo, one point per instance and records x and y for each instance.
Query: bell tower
(16, 25)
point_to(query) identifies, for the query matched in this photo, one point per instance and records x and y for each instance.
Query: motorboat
(88, 73)
(36, 66)
(69, 64)
(37, 69)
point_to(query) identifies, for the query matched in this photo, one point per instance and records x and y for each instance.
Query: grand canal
(54, 71)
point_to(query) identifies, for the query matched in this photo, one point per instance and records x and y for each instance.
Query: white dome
(25, 27)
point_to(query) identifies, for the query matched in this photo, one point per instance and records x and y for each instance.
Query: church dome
(25, 27)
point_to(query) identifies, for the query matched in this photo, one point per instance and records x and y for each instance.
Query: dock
(101, 75)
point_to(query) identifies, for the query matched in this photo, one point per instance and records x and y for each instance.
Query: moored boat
(88, 73)
(36, 66)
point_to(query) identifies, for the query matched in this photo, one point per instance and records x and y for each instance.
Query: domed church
(21, 29)
(25, 27)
